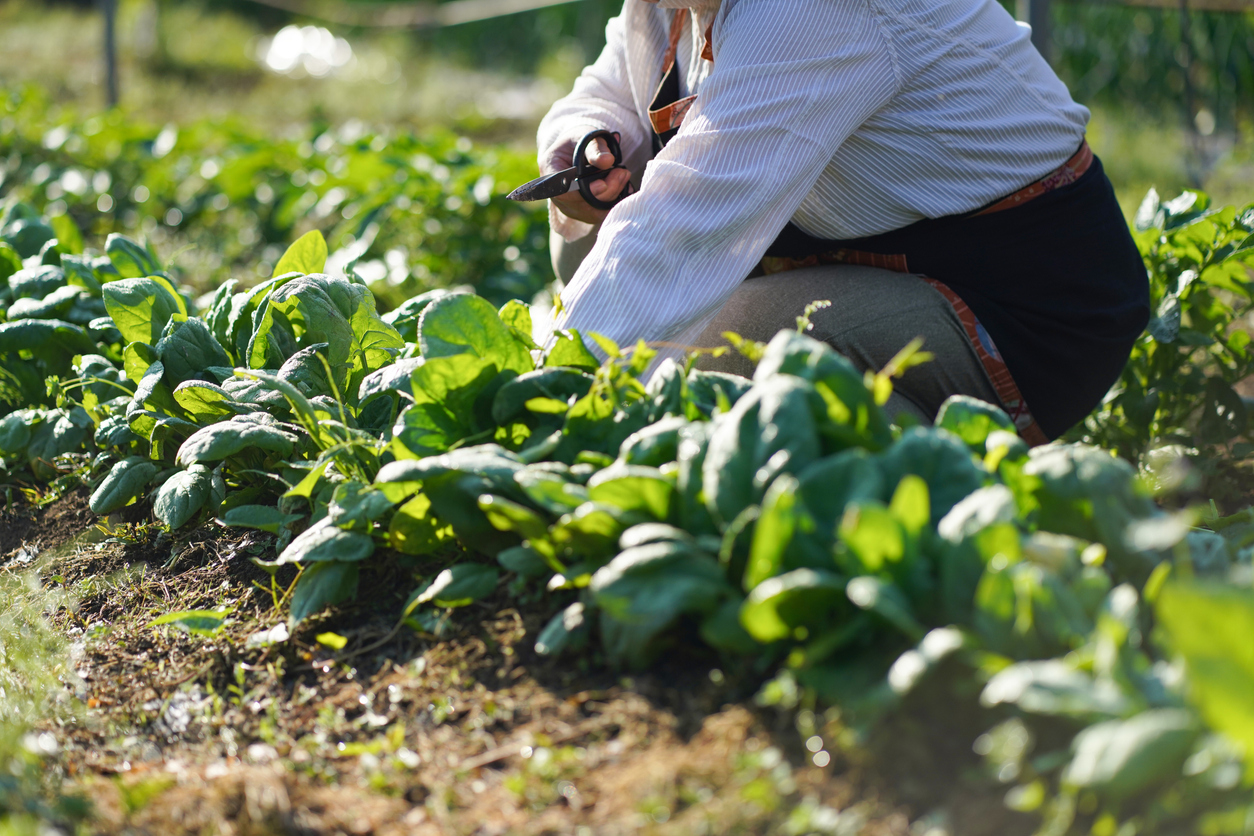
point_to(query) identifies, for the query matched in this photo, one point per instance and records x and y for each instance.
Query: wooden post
(110, 9)
(1035, 13)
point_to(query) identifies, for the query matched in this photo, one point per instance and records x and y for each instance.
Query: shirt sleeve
(600, 100)
(792, 79)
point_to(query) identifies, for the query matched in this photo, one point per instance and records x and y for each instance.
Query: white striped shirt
(848, 117)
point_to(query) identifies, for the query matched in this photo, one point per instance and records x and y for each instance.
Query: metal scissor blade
(550, 185)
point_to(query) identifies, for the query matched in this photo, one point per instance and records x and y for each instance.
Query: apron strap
(677, 31)
(667, 110)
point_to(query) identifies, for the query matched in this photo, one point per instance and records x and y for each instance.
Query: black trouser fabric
(1057, 283)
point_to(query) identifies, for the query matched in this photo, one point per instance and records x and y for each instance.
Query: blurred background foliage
(1172, 94)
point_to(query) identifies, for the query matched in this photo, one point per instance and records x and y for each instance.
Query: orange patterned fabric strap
(995, 367)
(670, 117)
(677, 30)
(1064, 175)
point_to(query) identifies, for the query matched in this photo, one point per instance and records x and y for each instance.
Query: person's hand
(572, 204)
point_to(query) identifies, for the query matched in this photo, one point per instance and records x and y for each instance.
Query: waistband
(1066, 174)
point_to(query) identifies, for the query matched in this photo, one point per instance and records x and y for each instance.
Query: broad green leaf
(455, 481)
(874, 537)
(1088, 493)
(1210, 626)
(127, 481)
(526, 562)
(910, 505)
(796, 604)
(462, 323)
(53, 306)
(551, 491)
(633, 488)
(517, 317)
(182, 495)
(645, 589)
(405, 317)
(36, 282)
(569, 350)
(261, 517)
(142, 307)
(395, 377)
(972, 420)
(188, 349)
(243, 310)
(1147, 214)
(887, 601)
(324, 541)
(51, 340)
(457, 586)
(658, 581)
(256, 431)
(852, 417)
(1055, 688)
(940, 459)
(314, 309)
(62, 431)
(568, 630)
(15, 432)
(415, 529)
(321, 585)
(205, 401)
(506, 515)
(558, 384)
(914, 666)
(723, 631)
(305, 371)
(67, 232)
(200, 622)
(131, 260)
(773, 533)
(985, 507)
(357, 506)
(10, 262)
(28, 236)
(592, 530)
(78, 272)
(655, 445)
(137, 358)
(1120, 758)
(446, 392)
(710, 391)
(773, 423)
(307, 254)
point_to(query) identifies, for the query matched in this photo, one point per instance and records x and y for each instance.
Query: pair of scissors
(579, 177)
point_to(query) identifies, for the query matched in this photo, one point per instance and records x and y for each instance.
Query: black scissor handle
(586, 173)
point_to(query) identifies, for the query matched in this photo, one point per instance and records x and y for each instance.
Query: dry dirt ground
(397, 731)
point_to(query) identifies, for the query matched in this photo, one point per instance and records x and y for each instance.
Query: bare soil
(468, 732)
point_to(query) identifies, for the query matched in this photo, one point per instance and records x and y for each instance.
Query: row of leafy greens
(411, 212)
(782, 521)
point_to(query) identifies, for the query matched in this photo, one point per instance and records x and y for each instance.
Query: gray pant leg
(873, 314)
(568, 255)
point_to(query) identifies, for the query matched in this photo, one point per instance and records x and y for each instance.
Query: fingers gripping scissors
(578, 177)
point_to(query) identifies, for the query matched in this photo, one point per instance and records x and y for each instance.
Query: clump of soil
(353, 724)
(42, 528)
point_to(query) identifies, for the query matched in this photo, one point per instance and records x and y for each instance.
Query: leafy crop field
(329, 490)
